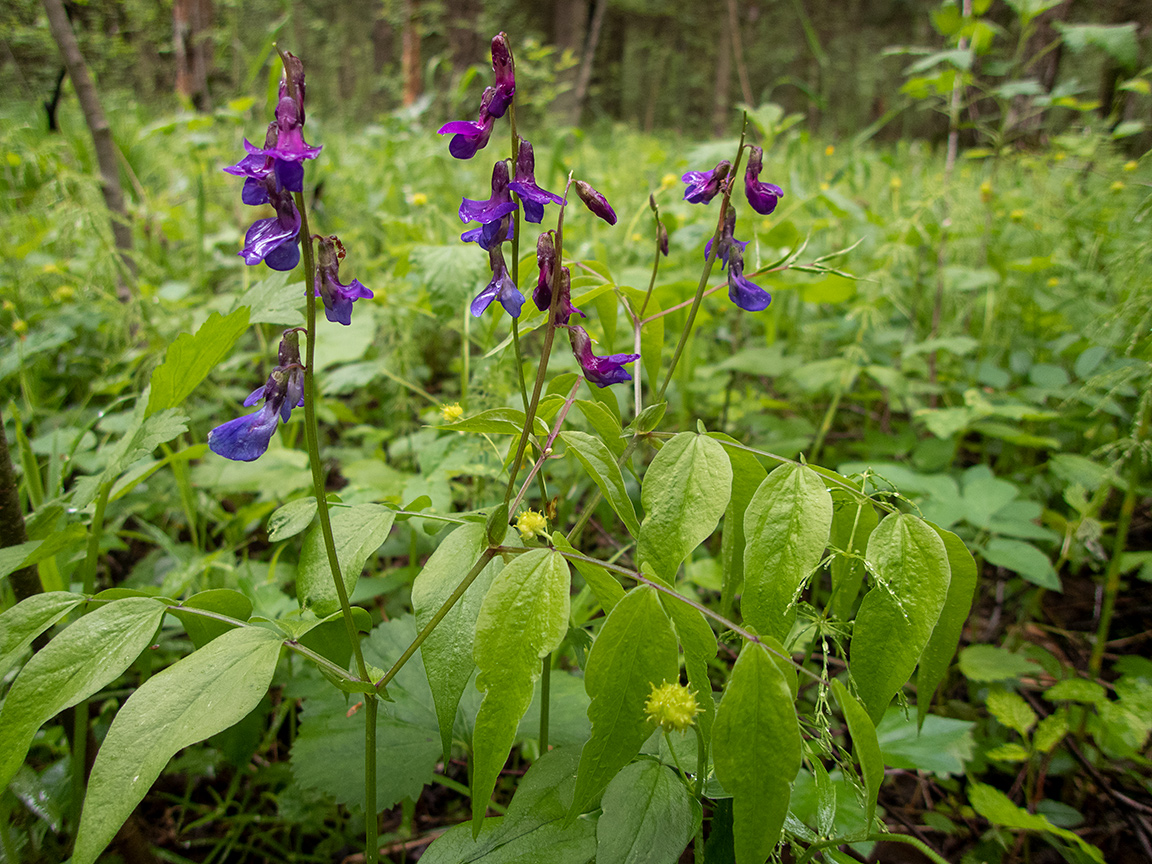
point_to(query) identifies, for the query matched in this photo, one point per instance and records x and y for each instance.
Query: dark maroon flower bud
(546, 259)
(338, 298)
(595, 202)
(703, 186)
(505, 68)
(663, 240)
(601, 371)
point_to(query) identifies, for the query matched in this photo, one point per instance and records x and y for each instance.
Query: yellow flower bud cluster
(452, 413)
(531, 524)
(672, 707)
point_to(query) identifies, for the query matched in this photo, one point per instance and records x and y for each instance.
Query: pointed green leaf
(635, 650)
(199, 696)
(896, 618)
(786, 527)
(496, 421)
(945, 638)
(223, 601)
(291, 519)
(190, 358)
(523, 617)
(998, 809)
(448, 649)
(605, 423)
(648, 816)
(747, 475)
(865, 743)
(756, 752)
(1011, 710)
(358, 532)
(83, 658)
(685, 491)
(23, 555)
(699, 644)
(853, 521)
(652, 343)
(28, 619)
(602, 468)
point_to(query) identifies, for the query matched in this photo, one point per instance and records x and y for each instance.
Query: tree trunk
(588, 57)
(191, 22)
(465, 43)
(569, 23)
(738, 52)
(410, 59)
(106, 156)
(720, 95)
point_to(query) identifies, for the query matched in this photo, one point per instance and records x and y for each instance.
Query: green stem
(92, 557)
(875, 837)
(523, 386)
(701, 762)
(371, 823)
(545, 692)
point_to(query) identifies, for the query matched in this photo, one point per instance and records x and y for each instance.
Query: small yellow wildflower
(19, 326)
(12, 159)
(63, 293)
(636, 237)
(1060, 157)
(531, 524)
(452, 413)
(1053, 282)
(417, 199)
(1118, 186)
(50, 267)
(895, 182)
(9, 306)
(1131, 166)
(1017, 215)
(668, 181)
(672, 707)
(824, 187)
(829, 150)
(986, 191)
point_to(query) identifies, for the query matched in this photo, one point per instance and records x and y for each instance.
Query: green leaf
(756, 751)
(998, 809)
(1050, 731)
(608, 591)
(190, 358)
(83, 658)
(910, 564)
(983, 663)
(523, 617)
(866, 745)
(21, 624)
(635, 650)
(1010, 752)
(291, 519)
(605, 423)
(699, 650)
(685, 491)
(1076, 690)
(1119, 41)
(747, 475)
(648, 816)
(23, 555)
(272, 301)
(496, 421)
(941, 745)
(1010, 709)
(853, 521)
(197, 697)
(143, 435)
(448, 649)
(358, 532)
(652, 344)
(787, 526)
(598, 461)
(945, 637)
(1022, 558)
(223, 601)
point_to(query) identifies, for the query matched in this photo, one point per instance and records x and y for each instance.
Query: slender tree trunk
(738, 51)
(410, 60)
(569, 24)
(105, 147)
(191, 21)
(721, 94)
(589, 56)
(464, 41)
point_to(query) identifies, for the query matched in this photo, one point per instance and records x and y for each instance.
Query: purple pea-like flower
(601, 371)
(542, 295)
(533, 197)
(272, 240)
(338, 298)
(496, 207)
(595, 202)
(727, 241)
(761, 196)
(745, 294)
(491, 233)
(703, 186)
(501, 288)
(505, 69)
(469, 137)
(246, 438)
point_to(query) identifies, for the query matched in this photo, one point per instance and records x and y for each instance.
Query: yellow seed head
(1053, 282)
(531, 524)
(895, 182)
(19, 326)
(63, 293)
(1118, 186)
(672, 707)
(986, 191)
(9, 306)
(824, 187)
(1131, 166)
(417, 199)
(829, 150)
(452, 412)
(1017, 215)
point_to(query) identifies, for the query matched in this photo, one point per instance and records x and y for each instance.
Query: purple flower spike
(505, 69)
(601, 371)
(746, 295)
(761, 196)
(469, 137)
(595, 202)
(703, 186)
(490, 234)
(496, 207)
(273, 241)
(533, 197)
(501, 288)
(727, 241)
(338, 298)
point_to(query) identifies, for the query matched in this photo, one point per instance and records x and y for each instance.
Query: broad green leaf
(685, 491)
(652, 344)
(998, 809)
(291, 519)
(942, 745)
(1076, 690)
(534, 831)
(605, 424)
(23, 555)
(358, 532)
(1022, 558)
(945, 637)
(328, 637)
(1010, 709)
(648, 816)
(825, 799)
(223, 601)
(1050, 731)
(910, 564)
(143, 435)
(448, 649)
(523, 617)
(1119, 41)
(190, 358)
(747, 475)
(602, 468)
(756, 752)
(273, 301)
(853, 521)
(21, 624)
(786, 527)
(86, 656)
(636, 650)
(195, 698)
(865, 743)
(984, 663)
(699, 644)
(607, 590)
(496, 421)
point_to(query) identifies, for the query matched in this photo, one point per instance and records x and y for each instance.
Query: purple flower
(491, 233)
(501, 288)
(469, 137)
(595, 202)
(762, 196)
(703, 186)
(749, 297)
(496, 207)
(524, 185)
(338, 298)
(246, 438)
(601, 371)
(727, 241)
(505, 69)
(546, 260)
(273, 240)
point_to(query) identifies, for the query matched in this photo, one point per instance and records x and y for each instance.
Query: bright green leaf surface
(358, 532)
(14, 558)
(223, 601)
(607, 590)
(1076, 690)
(1022, 558)
(998, 809)
(942, 745)
(648, 816)
(747, 475)
(83, 658)
(496, 421)
(937, 655)
(984, 663)
(756, 752)
(685, 491)
(199, 696)
(602, 468)
(522, 618)
(1010, 709)
(865, 743)
(28, 619)
(190, 358)
(853, 522)
(291, 519)
(786, 528)
(605, 424)
(699, 643)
